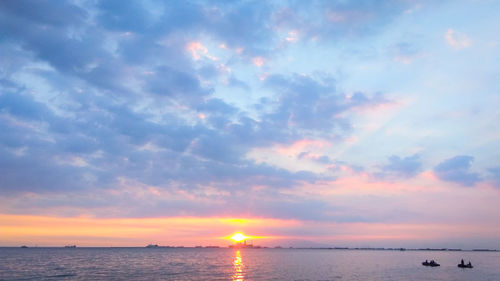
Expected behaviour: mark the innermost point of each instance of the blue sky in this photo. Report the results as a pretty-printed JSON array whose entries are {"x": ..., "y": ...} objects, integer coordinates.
[{"x": 356, "y": 113}]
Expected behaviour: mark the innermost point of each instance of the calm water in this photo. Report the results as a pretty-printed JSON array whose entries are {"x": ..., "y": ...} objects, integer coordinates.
[{"x": 244, "y": 264}]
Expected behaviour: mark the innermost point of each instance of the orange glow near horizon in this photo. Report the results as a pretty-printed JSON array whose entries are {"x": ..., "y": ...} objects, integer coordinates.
[
  {"x": 88, "y": 231},
  {"x": 16, "y": 230}
]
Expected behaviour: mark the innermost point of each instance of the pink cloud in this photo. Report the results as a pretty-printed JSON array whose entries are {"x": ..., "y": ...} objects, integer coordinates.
[
  {"x": 198, "y": 51},
  {"x": 456, "y": 39},
  {"x": 300, "y": 145},
  {"x": 196, "y": 48},
  {"x": 293, "y": 36},
  {"x": 258, "y": 61}
]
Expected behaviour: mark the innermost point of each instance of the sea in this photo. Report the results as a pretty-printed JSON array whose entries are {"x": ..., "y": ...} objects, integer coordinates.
[{"x": 241, "y": 264}]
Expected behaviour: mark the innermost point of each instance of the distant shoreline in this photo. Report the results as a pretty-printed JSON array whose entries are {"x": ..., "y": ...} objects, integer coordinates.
[{"x": 258, "y": 248}]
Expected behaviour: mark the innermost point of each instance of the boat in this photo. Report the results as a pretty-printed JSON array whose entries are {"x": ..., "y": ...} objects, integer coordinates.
[
  {"x": 24, "y": 246},
  {"x": 432, "y": 263},
  {"x": 70, "y": 246},
  {"x": 152, "y": 246},
  {"x": 463, "y": 265}
]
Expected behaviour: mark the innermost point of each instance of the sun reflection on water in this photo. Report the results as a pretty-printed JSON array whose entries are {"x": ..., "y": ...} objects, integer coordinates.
[{"x": 238, "y": 267}]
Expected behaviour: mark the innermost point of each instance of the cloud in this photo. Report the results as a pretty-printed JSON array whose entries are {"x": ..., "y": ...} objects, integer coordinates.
[
  {"x": 323, "y": 159},
  {"x": 309, "y": 103},
  {"x": 401, "y": 167},
  {"x": 130, "y": 16},
  {"x": 235, "y": 82},
  {"x": 405, "y": 52},
  {"x": 23, "y": 106},
  {"x": 258, "y": 61},
  {"x": 197, "y": 50},
  {"x": 237, "y": 31},
  {"x": 102, "y": 102},
  {"x": 180, "y": 85},
  {"x": 495, "y": 176},
  {"x": 118, "y": 141},
  {"x": 46, "y": 12},
  {"x": 337, "y": 20},
  {"x": 96, "y": 139},
  {"x": 456, "y": 39},
  {"x": 456, "y": 169}
]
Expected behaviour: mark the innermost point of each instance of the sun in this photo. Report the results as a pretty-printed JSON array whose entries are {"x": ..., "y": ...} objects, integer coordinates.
[{"x": 238, "y": 237}]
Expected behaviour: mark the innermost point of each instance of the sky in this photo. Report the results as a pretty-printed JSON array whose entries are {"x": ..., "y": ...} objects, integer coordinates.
[{"x": 298, "y": 123}]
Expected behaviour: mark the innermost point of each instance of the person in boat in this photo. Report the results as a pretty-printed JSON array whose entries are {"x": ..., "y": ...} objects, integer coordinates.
[
  {"x": 462, "y": 262},
  {"x": 469, "y": 264},
  {"x": 432, "y": 262}
]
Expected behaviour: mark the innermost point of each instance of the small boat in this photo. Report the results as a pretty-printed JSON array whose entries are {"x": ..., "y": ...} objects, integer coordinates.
[
  {"x": 70, "y": 246},
  {"x": 24, "y": 246},
  {"x": 463, "y": 265},
  {"x": 432, "y": 263},
  {"x": 152, "y": 246}
]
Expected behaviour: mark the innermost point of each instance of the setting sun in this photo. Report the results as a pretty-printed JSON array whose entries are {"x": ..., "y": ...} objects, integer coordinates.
[{"x": 238, "y": 237}]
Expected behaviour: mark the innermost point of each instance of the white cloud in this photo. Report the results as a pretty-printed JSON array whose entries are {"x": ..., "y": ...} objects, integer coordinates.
[{"x": 456, "y": 39}]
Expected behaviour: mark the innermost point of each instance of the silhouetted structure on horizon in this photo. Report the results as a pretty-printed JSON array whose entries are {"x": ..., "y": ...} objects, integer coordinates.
[{"x": 243, "y": 244}]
